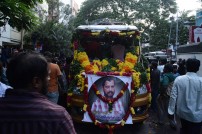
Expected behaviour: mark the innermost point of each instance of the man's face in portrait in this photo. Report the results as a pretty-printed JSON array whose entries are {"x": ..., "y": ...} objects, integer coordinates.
[{"x": 109, "y": 89}]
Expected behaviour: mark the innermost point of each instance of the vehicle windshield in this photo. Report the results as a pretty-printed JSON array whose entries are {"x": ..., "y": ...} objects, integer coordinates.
[{"x": 151, "y": 54}]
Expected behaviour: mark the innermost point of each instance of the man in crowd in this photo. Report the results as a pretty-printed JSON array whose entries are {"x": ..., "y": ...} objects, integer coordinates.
[
  {"x": 164, "y": 95},
  {"x": 155, "y": 84},
  {"x": 25, "y": 109},
  {"x": 55, "y": 79},
  {"x": 102, "y": 110},
  {"x": 3, "y": 87},
  {"x": 186, "y": 99}
]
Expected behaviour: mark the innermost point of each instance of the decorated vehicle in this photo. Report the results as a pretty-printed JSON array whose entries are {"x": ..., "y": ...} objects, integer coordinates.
[{"x": 109, "y": 77}]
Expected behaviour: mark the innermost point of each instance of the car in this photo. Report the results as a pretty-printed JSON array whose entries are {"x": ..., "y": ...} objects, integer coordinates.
[{"x": 156, "y": 55}]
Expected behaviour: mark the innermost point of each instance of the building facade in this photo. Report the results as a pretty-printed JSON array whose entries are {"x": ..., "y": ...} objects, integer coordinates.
[{"x": 73, "y": 5}]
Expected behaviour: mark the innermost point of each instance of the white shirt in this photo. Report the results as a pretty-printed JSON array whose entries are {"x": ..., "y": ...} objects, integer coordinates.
[
  {"x": 160, "y": 68},
  {"x": 186, "y": 95},
  {"x": 3, "y": 88}
]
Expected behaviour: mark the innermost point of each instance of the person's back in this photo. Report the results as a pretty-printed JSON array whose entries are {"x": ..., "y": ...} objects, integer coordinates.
[
  {"x": 25, "y": 109},
  {"x": 155, "y": 84},
  {"x": 164, "y": 95},
  {"x": 54, "y": 73},
  {"x": 186, "y": 99},
  {"x": 32, "y": 113},
  {"x": 190, "y": 86},
  {"x": 55, "y": 77}
]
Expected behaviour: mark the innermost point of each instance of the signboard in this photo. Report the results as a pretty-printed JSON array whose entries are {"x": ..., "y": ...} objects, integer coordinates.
[
  {"x": 195, "y": 34},
  {"x": 108, "y": 87}
]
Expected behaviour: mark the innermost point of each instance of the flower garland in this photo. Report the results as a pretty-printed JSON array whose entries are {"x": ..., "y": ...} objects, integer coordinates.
[
  {"x": 107, "y": 100},
  {"x": 112, "y": 33},
  {"x": 110, "y": 127}
]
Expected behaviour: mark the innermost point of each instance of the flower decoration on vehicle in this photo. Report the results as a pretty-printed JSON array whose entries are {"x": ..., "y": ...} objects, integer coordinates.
[
  {"x": 110, "y": 67},
  {"x": 110, "y": 102},
  {"x": 107, "y": 32}
]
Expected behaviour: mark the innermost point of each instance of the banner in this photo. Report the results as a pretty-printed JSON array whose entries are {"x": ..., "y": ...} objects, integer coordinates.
[{"x": 108, "y": 87}]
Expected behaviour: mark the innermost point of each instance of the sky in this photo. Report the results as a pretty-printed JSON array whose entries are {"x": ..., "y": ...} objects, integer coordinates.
[
  {"x": 188, "y": 5},
  {"x": 182, "y": 4}
]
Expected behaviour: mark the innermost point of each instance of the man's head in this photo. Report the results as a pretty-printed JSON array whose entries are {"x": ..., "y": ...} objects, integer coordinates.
[
  {"x": 192, "y": 65},
  {"x": 154, "y": 65},
  {"x": 108, "y": 87},
  {"x": 168, "y": 68},
  {"x": 28, "y": 71}
]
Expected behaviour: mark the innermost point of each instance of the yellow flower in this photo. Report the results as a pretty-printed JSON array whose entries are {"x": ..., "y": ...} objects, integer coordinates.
[
  {"x": 82, "y": 57},
  {"x": 97, "y": 92},
  {"x": 148, "y": 74},
  {"x": 120, "y": 65},
  {"x": 122, "y": 34},
  {"x": 130, "y": 33},
  {"x": 84, "y": 107},
  {"x": 136, "y": 79},
  {"x": 95, "y": 33},
  {"x": 131, "y": 58},
  {"x": 137, "y": 50},
  {"x": 127, "y": 67},
  {"x": 122, "y": 122},
  {"x": 95, "y": 68},
  {"x": 132, "y": 110},
  {"x": 113, "y": 69},
  {"x": 75, "y": 54},
  {"x": 98, "y": 62},
  {"x": 85, "y": 63},
  {"x": 104, "y": 62}
]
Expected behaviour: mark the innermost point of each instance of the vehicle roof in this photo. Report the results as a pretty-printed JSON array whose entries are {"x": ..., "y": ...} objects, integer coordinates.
[
  {"x": 107, "y": 27},
  {"x": 157, "y": 52}
]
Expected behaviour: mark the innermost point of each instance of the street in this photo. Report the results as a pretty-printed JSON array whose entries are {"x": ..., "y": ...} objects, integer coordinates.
[{"x": 147, "y": 127}]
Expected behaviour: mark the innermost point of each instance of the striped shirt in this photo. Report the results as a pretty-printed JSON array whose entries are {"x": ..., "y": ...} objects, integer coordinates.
[
  {"x": 23, "y": 112},
  {"x": 101, "y": 111}
]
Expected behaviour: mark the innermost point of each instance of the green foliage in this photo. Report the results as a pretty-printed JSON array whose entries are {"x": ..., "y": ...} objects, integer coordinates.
[
  {"x": 138, "y": 67},
  {"x": 106, "y": 68},
  {"x": 75, "y": 68},
  {"x": 159, "y": 34},
  {"x": 112, "y": 63},
  {"x": 18, "y": 13},
  {"x": 143, "y": 78},
  {"x": 53, "y": 35}
]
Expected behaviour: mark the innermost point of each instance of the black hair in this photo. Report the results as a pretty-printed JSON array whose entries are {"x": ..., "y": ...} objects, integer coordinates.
[
  {"x": 23, "y": 67},
  {"x": 107, "y": 79},
  {"x": 168, "y": 68},
  {"x": 175, "y": 67},
  {"x": 49, "y": 56},
  {"x": 154, "y": 64},
  {"x": 192, "y": 65}
]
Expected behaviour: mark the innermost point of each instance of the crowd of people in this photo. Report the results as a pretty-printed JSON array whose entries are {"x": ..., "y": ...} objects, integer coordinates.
[
  {"x": 177, "y": 91},
  {"x": 29, "y": 100},
  {"x": 33, "y": 84}
]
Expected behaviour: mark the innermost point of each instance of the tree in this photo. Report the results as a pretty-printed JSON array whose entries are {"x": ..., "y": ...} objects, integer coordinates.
[
  {"x": 18, "y": 13},
  {"x": 53, "y": 35},
  {"x": 159, "y": 34}
]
